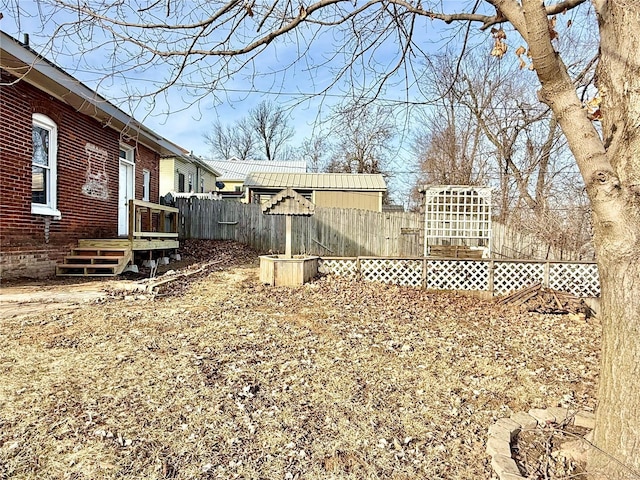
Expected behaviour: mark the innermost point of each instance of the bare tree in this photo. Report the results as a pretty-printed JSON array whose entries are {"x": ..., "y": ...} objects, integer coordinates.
[
  {"x": 271, "y": 125},
  {"x": 225, "y": 38},
  {"x": 244, "y": 140},
  {"x": 228, "y": 141},
  {"x": 363, "y": 136},
  {"x": 264, "y": 132},
  {"x": 485, "y": 128},
  {"x": 315, "y": 151},
  {"x": 447, "y": 141}
]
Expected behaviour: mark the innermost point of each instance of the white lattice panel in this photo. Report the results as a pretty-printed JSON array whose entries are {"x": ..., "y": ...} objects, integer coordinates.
[
  {"x": 407, "y": 273},
  {"x": 579, "y": 279},
  {"x": 457, "y": 275},
  {"x": 343, "y": 267},
  {"x": 457, "y": 212},
  {"x": 510, "y": 276}
]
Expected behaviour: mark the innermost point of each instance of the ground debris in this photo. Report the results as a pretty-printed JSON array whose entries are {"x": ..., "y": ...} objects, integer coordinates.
[
  {"x": 536, "y": 298},
  {"x": 228, "y": 253},
  {"x": 227, "y": 378}
]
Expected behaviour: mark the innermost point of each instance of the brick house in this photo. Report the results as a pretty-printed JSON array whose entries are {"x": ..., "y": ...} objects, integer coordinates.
[{"x": 69, "y": 163}]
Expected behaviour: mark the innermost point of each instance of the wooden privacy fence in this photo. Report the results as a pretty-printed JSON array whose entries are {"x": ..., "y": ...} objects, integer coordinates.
[
  {"x": 495, "y": 276},
  {"x": 331, "y": 231},
  {"x": 339, "y": 232}
]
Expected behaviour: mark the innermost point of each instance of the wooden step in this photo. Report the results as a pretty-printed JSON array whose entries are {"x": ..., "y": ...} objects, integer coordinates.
[
  {"x": 89, "y": 265},
  {"x": 93, "y": 258},
  {"x": 86, "y": 269},
  {"x": 99, "y": 251},
  {"x": 104, "y": 243},
  {"x": 95, "y": 262}
]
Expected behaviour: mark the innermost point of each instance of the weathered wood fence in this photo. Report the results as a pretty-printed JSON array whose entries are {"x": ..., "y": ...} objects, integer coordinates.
[
  {"x": 330, "y": 231},
  {"x": 385, "y": 247},
  {"x": 339, "y": 232}
]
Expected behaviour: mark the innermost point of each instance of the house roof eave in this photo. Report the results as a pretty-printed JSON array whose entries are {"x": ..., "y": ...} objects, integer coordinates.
[{"x": 27, "y": 65}]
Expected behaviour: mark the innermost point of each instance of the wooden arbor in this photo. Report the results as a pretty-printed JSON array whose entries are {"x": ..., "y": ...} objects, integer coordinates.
[
  {"x": 288, "y": 202},
  {"x": 285, "y": 269}
]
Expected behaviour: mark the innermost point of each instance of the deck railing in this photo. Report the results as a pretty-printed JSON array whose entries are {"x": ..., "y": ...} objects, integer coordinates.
[{"x": 152, "y": 221}]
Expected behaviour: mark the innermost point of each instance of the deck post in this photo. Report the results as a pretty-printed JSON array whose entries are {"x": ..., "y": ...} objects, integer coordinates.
[{"x": 132, "y": 219}]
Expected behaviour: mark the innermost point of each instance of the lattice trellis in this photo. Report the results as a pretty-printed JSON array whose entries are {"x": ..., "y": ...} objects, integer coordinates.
[
  {"x": 457, "y": 212},
  {"x": 343, "y": 267},
  {"x": 579, "y": 279},
  {"x": 407, "y": 273},
  {"x": 457, "y": 275},
  {"x": 509, "y": 276}
]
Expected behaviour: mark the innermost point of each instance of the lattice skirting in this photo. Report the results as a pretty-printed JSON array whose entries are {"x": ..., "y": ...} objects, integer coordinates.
[
  {"x": 498, "y": 277},
  {"x": 407, "y": 273},
  {"x": 343, "y": 267},
  {"x": 580, "y": 279},
  {"x": 457, "y": 275},
  {"x": 509, "y": 276}
]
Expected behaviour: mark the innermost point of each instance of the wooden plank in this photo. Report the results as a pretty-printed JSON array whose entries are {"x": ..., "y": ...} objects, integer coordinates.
[
  {"x": 155, "y": 206},
  {"x": 154, "y": 235},
  {"x": 104, "y": 243},
  {"x": 140, "y": 244}
]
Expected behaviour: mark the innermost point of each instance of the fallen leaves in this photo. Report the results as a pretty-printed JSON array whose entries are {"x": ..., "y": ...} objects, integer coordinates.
[{"x": 229, "y": 378}]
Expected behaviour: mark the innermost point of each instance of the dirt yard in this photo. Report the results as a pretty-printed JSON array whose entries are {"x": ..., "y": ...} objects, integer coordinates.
[{"x": 220, "y": 377}]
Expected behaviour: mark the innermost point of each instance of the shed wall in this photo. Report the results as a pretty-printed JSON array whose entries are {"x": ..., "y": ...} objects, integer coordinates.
[{"x": 359, "y": 200}]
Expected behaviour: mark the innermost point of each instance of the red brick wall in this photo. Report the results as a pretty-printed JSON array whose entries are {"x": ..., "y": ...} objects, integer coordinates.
[{"x": 85, "y": 214}]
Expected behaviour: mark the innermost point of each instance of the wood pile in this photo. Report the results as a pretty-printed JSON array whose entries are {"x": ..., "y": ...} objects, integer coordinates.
[{"x": 536, "y": 298}]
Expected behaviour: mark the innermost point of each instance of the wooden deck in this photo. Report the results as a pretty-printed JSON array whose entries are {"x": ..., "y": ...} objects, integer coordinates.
[
  {"x": 152, "y": 227},
  {"x": 136, "y": 244}
]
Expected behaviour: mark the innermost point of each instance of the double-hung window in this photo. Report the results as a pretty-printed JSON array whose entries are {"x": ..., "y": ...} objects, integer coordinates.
[{"x": 44, "y": 135}]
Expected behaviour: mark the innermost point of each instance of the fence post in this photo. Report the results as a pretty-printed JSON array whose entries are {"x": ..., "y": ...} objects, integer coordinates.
[
  {"x": 545, "y": 275},
  {"x": 490, "y": 280},
  {"x": 358, "y": 268},
  {"x": 424, "y": 272}
]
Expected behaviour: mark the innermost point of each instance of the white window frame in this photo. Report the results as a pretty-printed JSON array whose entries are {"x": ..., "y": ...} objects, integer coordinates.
[
  {"x": 129, "y": 153},
  {"x": 146, "y": 185},
  {"x": 51, "y": 207}
]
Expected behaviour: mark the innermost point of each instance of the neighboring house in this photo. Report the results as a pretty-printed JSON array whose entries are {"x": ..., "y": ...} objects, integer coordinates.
[
  {"x": 186, "y": 173},
  {"x": 70, "y": 163},
  {"x": 233, "y": 172},
  {"x": 339, "y": 190}
]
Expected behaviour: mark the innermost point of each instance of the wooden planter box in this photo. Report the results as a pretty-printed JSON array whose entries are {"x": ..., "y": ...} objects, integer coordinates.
[{"x": 279, "y": 271}]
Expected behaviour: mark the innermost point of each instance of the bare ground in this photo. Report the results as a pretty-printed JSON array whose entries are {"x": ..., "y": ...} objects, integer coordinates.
[{"x": 221, "y": 377}]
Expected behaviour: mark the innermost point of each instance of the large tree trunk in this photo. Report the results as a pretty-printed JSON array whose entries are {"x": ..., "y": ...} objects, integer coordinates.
[
  {"x": 617, "y": 430},
  {"x": 610, "y": 167}
]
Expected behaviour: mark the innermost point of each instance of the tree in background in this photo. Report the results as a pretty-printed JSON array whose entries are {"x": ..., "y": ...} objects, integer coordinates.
[
  {"x": 487, "y": 128},
  {"x": 447, "y": 141},
  {"x": 236, "y": 140},
  {"x": 376, "y": 43},
  {"x": 315, "y": 151},
  {"x": 271, "y": 124},
  {"x": 362, "y": 137},
  {"x": 261, "y": 135}
]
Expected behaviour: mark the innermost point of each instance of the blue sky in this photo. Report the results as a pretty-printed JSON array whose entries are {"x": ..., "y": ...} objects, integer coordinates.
[
  {"x": 176, "y": 116},
  {"x": 173, "y": 114}
]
